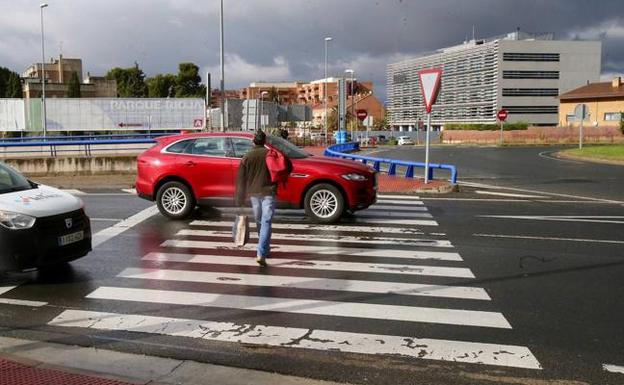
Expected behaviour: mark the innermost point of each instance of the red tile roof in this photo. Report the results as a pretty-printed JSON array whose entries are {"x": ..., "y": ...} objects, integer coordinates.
[{"x": 594, "y": 91}]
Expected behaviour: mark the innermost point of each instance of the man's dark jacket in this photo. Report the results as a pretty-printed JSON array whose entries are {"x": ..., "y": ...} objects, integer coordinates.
[{"x": 253, "y": 176}]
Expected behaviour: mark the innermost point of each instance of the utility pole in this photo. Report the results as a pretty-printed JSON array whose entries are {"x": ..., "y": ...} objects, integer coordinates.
[{"x": 222, "y": 73}]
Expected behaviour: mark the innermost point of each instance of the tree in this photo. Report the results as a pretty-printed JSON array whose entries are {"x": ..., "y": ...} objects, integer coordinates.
[
  {"x": 14, "y": 87},
  {"x": 130, "y": 81},
  {"x": 188, "y": 82},
  {"x": 73, "y": 87},
  {"x": 273, "y": 95},
  {"x": 10, "y": 86},
  {"x": 161, "y": 86}
]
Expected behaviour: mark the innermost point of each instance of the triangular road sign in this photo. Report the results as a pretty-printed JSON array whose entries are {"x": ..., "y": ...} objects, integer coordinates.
[{"x": 430, "y": 85}]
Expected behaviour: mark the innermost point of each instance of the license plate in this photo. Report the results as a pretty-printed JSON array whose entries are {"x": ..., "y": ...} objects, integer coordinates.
[{"x": 71, "y": 238}]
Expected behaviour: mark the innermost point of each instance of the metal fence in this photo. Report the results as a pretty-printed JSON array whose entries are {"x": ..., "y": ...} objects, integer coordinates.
[{"x": 391, "y": 165}]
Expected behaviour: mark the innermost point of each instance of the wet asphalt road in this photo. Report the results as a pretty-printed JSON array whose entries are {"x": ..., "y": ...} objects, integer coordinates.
[{"x": 552, "y": 265}]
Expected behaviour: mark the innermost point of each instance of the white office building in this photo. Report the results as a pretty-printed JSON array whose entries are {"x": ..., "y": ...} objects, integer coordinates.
[{"x": 520, "y": 72}]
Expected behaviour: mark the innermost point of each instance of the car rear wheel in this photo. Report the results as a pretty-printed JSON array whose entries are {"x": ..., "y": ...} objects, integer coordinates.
[
  {"x": 324, "y": 203},
  {"x": 175, "y": 200}
]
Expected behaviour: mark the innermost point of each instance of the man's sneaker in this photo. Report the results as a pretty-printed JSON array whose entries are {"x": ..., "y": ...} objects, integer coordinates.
[{"x": 261, "y": 261}]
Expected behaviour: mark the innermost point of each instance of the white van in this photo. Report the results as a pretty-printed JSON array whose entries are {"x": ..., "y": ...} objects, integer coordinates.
[{"x": 39, "y": 225}]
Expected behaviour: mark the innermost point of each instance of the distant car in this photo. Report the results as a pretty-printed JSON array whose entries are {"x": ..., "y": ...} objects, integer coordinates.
[
  {"x": 381, "y": 139},
  {"x": 39, "y": 225},
  {"x": 183, "y": 171},
  {"x": 404, "y": 140}
]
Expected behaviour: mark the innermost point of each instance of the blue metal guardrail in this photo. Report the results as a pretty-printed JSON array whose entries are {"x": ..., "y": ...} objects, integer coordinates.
[
  {"x": 84, "y": 142},
  {"x": 339, "y": 151}
]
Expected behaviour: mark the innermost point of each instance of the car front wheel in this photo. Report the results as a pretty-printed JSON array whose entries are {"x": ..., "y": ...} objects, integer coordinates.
[
  {"x": 175, "y": 200},
  {"x": 324, "y": 203}
]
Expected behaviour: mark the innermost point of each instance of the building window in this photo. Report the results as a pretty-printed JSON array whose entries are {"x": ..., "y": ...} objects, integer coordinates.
[
  {"x": 612, "y": 116},
  {"x": 530, "y": 91},
  {"x": 399, "y": 78},
  {"x": 516, "y": 56},
  {"x": 530, "y": 74},
  {"x": 512, "y": 110}
]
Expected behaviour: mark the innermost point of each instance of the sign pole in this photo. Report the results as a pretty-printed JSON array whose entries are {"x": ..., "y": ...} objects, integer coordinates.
[
  {"x": 501, "y": 138},
  {"x": 427, "y": 148},
  {"x": 581, "y": 130}
]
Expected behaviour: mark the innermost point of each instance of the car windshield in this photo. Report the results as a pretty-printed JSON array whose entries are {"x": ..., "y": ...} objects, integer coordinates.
[
  {"x": 11, "y": 181},
  {"x": 287, "y": 148}
]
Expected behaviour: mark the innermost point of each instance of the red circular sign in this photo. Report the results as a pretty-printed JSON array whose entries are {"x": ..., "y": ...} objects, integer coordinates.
[
  {"x": 361, "y": 114},
  {"x": 502, "y": 115}
]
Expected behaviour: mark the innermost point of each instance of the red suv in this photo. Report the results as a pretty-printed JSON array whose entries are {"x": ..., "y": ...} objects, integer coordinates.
[{"x": 183, "y": 171}]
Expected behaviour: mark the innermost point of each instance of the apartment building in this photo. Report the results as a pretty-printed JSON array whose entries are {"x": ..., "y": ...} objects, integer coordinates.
[
  {"x": 521, "y": 72},
  {"x": 604, "y": 101},
  {"x": 57, "y": 74}
]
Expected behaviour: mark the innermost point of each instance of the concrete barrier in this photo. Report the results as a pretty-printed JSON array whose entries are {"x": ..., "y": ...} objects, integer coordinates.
[{"x": 80, "y": 165}]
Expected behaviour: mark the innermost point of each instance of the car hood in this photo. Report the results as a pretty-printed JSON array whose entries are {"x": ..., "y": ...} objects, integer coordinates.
[
  {"x": 39, "y": 202},
  {"x": 349, "y": 165}
]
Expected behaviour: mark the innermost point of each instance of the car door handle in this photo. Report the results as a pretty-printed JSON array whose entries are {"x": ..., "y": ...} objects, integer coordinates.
[{"x": 190, "y": 163}]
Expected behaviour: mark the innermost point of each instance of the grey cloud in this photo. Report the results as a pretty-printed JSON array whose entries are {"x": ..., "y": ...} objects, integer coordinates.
[{"x": 285, "y": 37}]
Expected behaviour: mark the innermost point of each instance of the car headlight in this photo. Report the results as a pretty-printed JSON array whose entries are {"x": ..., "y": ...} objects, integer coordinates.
[
  {"x": 15, "y": 221},
  {"x": 353, "y": 176}
]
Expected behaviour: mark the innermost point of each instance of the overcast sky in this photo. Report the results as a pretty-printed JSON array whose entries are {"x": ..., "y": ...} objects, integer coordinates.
[{"x": 276, "y": 40}]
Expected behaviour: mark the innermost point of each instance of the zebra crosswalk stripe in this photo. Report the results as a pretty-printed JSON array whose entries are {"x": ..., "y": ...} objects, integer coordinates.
[
  {"x": 327, "y": 238},
  {"x": 325, "y": 250},
  {"x": 305, "y": 306},
  {"x": 383, "y": 280},
  {"x": 314, "y": 283},
  {"x": 316, "y": 227},
  {"x": 290, "y": 337},
  {"x": 221, "y": 259}
]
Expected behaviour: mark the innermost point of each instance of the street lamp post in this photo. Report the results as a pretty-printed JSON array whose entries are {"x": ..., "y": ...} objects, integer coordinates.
[
  {"x": 353, "y": 117},
  {"x": 222, "y": 71},
  {"x": 43, "y": 104},
  {"x": 262, "y": 94},
  {"x": 327, "y": 40}
]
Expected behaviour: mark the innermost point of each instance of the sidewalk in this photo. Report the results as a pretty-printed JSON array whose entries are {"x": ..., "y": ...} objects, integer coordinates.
[{"x": 24, "y": 362}]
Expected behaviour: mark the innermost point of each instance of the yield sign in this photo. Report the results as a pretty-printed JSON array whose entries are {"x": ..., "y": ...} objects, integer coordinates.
[{"x": 430, "y": 85}]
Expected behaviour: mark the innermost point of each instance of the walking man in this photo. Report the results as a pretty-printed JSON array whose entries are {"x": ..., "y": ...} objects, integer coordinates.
[{"x": 254, "y": 180}]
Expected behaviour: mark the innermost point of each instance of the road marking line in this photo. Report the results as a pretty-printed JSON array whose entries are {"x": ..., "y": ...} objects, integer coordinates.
[
  {"x": 129, "y": 191},
  {"x": 399, "y": 202},
  {"x": 312, "y": 264},
  {"x": 401, "y": 197},
  {"x": 118, "y": 228},
  {"x": 324, "y": 340},
  {"x": 5, "y": 289},
  {"x": 508, "y": 194},
  {"x": 613, "y": 368},
  {"x": 395, "y": 208},
  {"x": 481, "y": 185},
  {"x": 548, "y": 238},
  {"x": 21, "y": 302},
  {"x": 305, "y": 306},
  {"x": 314, "y": 283},
  {"x": 105, "y": 220},
  {"x": 74, "y": 192},
  {"x": 307, "y": 249},
  {"x": 561, "y": 218},
  {"x": 327, "y": 238},
  {"x": 314, "y": 227}
]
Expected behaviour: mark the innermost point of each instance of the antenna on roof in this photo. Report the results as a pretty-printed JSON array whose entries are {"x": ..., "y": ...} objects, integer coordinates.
[{"x": 473, "y": 32}]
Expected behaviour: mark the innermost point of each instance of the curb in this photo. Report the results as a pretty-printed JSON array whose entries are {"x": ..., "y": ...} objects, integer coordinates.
[{"x": 102, "y": 366}]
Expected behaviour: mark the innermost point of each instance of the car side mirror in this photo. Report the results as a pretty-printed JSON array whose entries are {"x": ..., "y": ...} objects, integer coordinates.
[{"x": 33, "y": 184}]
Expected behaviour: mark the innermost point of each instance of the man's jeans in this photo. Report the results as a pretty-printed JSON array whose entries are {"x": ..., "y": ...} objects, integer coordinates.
[{"x": 263, "y": 208}]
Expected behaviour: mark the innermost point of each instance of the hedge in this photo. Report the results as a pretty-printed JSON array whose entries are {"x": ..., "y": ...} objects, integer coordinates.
[{"x": 486, "y": 127}]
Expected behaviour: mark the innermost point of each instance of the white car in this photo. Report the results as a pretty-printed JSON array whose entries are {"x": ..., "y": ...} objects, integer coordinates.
[
  {"x": 39, "y": 225},
  {"x": 403, "y": 140}
]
